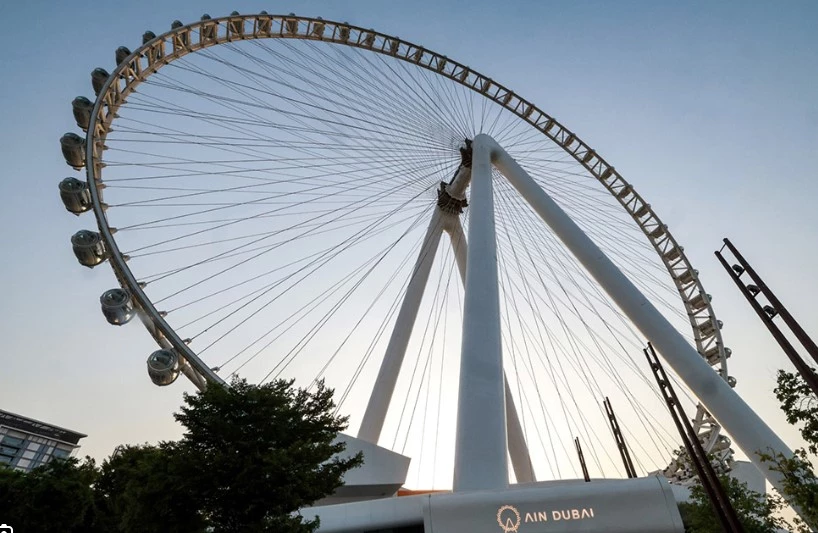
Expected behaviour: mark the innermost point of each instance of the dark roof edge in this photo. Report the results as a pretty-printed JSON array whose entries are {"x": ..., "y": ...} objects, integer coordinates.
[{"x": 74, "y": 435}]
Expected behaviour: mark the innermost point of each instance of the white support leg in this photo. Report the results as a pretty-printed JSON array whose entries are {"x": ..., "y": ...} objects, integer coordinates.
[
  {"x": 480, "y": 460},
  {"x": 517, "y": 447},
  {"x": 743, "y": 424},
  {"x": 454, "y": 228},
  {"x": 378, "y": 405}
]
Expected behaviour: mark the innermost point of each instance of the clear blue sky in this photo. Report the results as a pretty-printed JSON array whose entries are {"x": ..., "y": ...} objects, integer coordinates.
[{"x": 711, "y": 111}]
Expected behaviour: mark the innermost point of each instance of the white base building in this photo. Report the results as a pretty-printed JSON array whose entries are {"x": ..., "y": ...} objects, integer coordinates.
[{"x": 371, "y": 501}]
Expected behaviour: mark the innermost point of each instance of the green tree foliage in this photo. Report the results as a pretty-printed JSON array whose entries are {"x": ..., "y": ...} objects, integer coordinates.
[
  {"x": 250, "y": 458},
  {"x": 800, "y": 405},
  {"x": 142, "y": 488},
  {"x": 758, "y": 513},
  {"x": 254, "y": 455},
  {"x": 55, "y": 497},
  {"x": 800, "y": 485}
]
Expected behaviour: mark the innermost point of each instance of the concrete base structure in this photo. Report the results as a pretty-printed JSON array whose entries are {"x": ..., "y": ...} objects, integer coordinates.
[
  {"x": 628, "y": 505},
  {"x": 369, "y": 501},
  {"x": 381, "y": 475}
]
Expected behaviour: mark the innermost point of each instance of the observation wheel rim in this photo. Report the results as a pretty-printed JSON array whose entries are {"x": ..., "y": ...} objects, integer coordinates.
[{"x": 178, "y": 42}]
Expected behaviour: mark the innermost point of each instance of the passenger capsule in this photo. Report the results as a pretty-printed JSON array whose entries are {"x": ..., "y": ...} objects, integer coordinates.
[
  {"x": 98, "y": 78},
  {"x": 75, "y": 195},
  {"x": 292, "y": 24},
  {"x": 708, "y": 328},
  {"x": 674, "y": 253},
  {"x": 117, "y": 306},
  {"x": 236, "y": 26},
  {"x": 658, "y": 231},
  {"x": 318, "y": 28},
  {"x": 121, "y": 54},
  {"x": 182, "y": 38},
  {"x": 73, "y": 150},
  {"x": 208, "y": 28},
  {"x": 624, "y": 191},
  {"x": 163, "y": 367},
  {"x": 148, "y": 36},
  {"x": 688, "y": 276},
  {"x": 700, "y": 301},
  {"x": 643, "y": 210},
  {"x": 82, "y": 107},
  {"x": 89, "y": 248},
  {"x": 264, "y": 24},
  {"x": 713, "y": 355},
  {"x": 343, "y": 33}
]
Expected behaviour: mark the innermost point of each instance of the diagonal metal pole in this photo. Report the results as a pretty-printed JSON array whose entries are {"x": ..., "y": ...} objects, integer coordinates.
[
  {"x": 806, "y": 372},
  {"x": 620, "y": 440},
  {"x": 793, "y": 324},
  {"x": 721, "y": 504},
  {"x": 582, "y": 460}
]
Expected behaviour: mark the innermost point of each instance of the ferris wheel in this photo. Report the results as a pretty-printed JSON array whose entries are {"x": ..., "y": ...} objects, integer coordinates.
[{"x": 291, "y": 196}]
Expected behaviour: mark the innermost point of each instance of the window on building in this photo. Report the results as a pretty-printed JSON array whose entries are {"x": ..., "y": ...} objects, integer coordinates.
[
  {"x": 10, "y": 448},
  {"x": 8, "y": 440},
  {"x": 11, "y": 451},
  {"x": 60, "y": 453}
]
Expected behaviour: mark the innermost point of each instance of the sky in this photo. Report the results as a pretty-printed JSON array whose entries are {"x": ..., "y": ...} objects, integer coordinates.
[{"x": 709, "y": 110}]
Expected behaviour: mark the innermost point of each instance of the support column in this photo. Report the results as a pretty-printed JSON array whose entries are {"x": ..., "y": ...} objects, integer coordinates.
[
  {"x": 517, "y": 447},
  {"x": 378, "y": 405},
  {"x": 480, "y": 460},
  {"x": 457, "y": 238},
  {"x": 743, "y": 424}
]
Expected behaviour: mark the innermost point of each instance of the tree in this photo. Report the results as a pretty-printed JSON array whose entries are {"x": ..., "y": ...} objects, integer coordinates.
[
  {"x": 252, "y": 456},
  {"x": 800, "y": 405},
  {"x": 758, "y": 513},
  {"x": 57, "y": 496},
  {"x": 799, "y": 484},
  {"x": 143, "y": 488}
]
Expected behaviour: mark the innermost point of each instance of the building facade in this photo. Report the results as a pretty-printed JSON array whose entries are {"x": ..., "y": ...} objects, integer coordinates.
[{"x": 26, "y": 443}]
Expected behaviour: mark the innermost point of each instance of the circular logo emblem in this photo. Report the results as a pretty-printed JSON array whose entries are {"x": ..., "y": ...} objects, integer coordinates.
[{"x": 508, "y": 518}]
